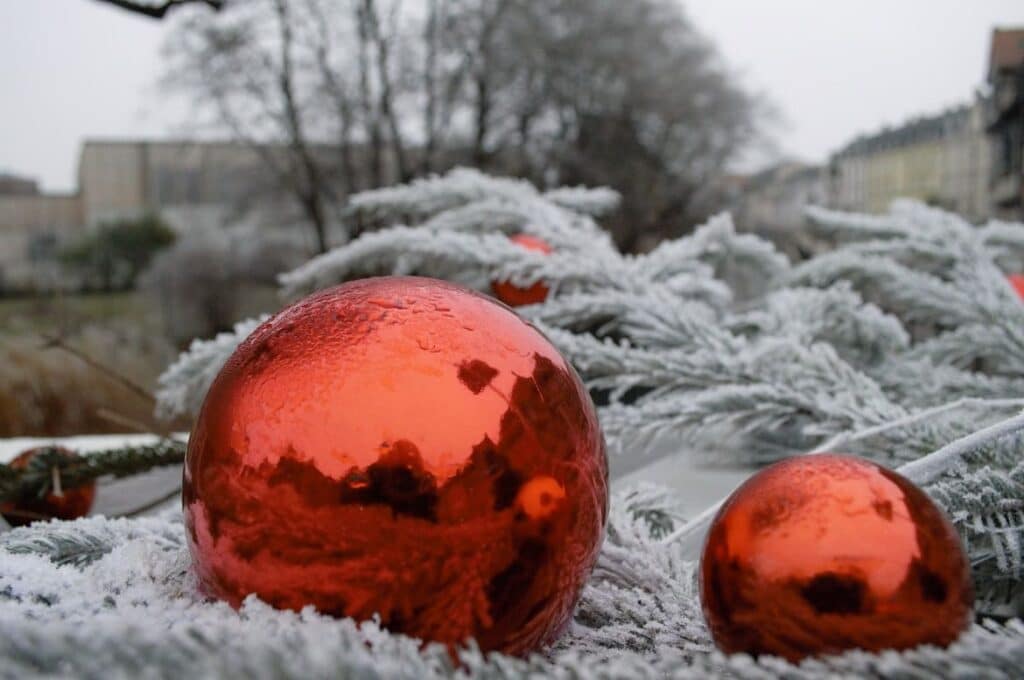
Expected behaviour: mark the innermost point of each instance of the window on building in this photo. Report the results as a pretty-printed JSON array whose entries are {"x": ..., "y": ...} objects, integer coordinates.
[
  {"x": 178, "y": 186},
  {"x": 42, "y": 247}
]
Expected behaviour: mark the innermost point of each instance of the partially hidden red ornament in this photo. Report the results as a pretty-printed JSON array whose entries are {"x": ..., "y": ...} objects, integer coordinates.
[
  {"x": 824, "y": 553},
  {"x": 69, "y": 503},
  {"x": 513, "y": 295},
  {"x": 402, "y": 447},
  {"x": 1017, "y": 281}
]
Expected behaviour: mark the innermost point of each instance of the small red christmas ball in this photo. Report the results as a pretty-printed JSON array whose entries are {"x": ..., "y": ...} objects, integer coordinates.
[
  {"x": 513, "y": 295},
  {"x": 824, "y": 553},
  {"x": 70, "y": 503},
  {"x": 1017, "y": 281},
  {"x": 402, "y": 447}
]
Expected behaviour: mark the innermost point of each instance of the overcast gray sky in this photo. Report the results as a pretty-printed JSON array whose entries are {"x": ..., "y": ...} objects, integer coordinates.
[{"x": 71, "y": 69}]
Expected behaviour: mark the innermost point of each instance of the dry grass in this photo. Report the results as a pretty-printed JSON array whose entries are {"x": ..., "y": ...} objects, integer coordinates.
[
  {"x": 46, "y": 392},
  {"x": 49, "y": 392}
]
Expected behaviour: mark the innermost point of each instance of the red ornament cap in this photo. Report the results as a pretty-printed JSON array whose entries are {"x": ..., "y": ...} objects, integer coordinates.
[
  {"x": 402, "y": 447},
  {"x": 824, "y": 553},
  {"x": 513, "y": 295},
  {"x": 71, "y": 503}
]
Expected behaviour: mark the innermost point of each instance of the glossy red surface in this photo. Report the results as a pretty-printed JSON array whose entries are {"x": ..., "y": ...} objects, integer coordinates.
[
  {"x": 1017, "y": 281},
  {"x": 71, "y": 504},
  {"x": 824, "y": 553},
  {"x": 405, "y": 447},
  {"x": 513, "y": 295}
]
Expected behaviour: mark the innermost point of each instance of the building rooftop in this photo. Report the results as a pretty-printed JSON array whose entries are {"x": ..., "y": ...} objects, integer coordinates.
[
  {"x": 1007, "y": 51},
  {"x": 914, "y": 131},
  {"x": 16, "y": 185}
]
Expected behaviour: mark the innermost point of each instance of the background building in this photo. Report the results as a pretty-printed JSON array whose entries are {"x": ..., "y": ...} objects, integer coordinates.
[
  {"x": 943, "y": 160},
  {"x": 193, "y": 186},
  {"x": 1006, "y": 121},
  {"x": 14, "y": 185},
  {"x": 775, "y": 199},
  {"x": 32, "y": 226}
]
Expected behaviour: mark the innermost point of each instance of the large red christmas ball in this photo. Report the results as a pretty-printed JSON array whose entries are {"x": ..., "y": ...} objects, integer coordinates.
[
  {"x": 1017, "y": 281},
  {"x": 515, "y": 296},
  {"x": 69, "y": 503},
  {"x": 402, "y": 447},
  {"x": 824, "y": 553}
]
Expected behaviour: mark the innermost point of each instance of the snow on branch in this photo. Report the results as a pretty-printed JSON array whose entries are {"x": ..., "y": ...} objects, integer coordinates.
[
  {"x": 182, "y": 388},
  {"x": 132, "y": 610},
  {"x": 904, "y": 344},
  {"x": 594, "y": 202}
]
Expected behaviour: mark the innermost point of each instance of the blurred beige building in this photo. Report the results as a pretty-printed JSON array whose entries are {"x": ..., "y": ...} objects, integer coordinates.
[
  {"x": 774, "y": 200},
  {"x": 1006, "y": 121},
  {"x": 944, "y": 160},
  {"x": 189, "y": 183},
  {"x": 772, "y": 203},
  {"x": 192, "y": 185},
  {"x": 32, "y": 226}
]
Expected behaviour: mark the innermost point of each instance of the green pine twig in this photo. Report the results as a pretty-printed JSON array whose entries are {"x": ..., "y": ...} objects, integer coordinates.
[{"x": 38, "y": 478}]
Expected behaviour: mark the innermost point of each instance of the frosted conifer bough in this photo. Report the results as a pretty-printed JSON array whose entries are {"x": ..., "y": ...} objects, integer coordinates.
[
  {"x": 903, "y": 343},
  {"x": 889, "y": 333},
  {"x": 100, "y": 598}
]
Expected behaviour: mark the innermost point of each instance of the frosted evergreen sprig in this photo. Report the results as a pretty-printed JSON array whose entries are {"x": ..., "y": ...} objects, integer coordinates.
[
  {"x": 429, "y": 196},
  {"x": 861, "y": 332},
  {"x": 472, "y": 259},
  {"x": 654, "y": 318},
  {"x": 964, "y": 478},
  {"x": 717, "y": 243},
  {"x": 130, "y": 607},
  {"x": 49, "y": 466},
  {"x": 182, "y": 388},
  {"x": 596, "y": 202}
]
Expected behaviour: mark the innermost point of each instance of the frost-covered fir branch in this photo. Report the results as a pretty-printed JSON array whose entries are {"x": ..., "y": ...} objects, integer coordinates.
[
  {"x": 977, "y": 480},
  {"x": 471, "y": 259},
  {"x": 937, "y": 272},
  {"x": 682, "y": 344},
  {"x": 49, "y": 467},
  {"x": 860, "y": 332},
  {"x": 909, "y": 321},
  {"x": 596, "y": 202},
  {"x": 904, "y": 344},
  {"x": 654, "y": 318},
  {"x": 429, "y": 196},
  {"x": 182, "y": 388},
  {"x": 130, "y": 608}
]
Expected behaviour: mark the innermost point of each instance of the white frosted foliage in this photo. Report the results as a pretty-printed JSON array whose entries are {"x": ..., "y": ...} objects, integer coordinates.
[{"x": 902, "y": 342}]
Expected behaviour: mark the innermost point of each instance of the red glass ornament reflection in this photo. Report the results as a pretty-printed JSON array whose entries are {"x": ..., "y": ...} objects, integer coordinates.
[
  {"x": 71, "y": 503},
  {"x": 404, "y": 447},
  {"x": 824, "y": 553},
  {"x": 1017, "y": 281},
  {"x": 513, "y": 295}
]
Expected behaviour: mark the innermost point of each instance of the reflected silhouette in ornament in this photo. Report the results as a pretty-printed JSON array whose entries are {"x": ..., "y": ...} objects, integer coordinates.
[
  {"x": 820, "y": 554},
  {"x": 401, "y": 447}
]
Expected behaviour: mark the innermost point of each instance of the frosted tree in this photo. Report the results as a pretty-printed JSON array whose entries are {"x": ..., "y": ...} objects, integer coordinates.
[{"x": 904, "y": 343}]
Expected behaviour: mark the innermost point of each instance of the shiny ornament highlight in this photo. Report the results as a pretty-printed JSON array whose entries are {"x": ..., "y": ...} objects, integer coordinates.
[
  {"x": 824, "y": 553},
  {"x": 513, "y": 295},
  {"x": 70, "y": 503},
  {"x": 402, "y": 447}
]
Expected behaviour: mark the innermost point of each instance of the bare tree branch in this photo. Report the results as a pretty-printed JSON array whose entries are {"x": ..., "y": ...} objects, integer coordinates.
[
  {"x": 159, "y": 11},
  {"x": 387, "y": 109}
]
